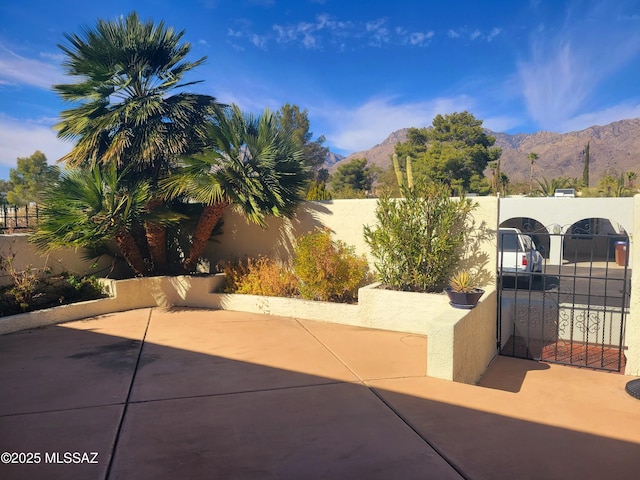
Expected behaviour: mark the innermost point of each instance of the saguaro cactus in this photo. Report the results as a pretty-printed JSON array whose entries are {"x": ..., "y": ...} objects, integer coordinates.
[
  {"x": 409, "y": 172},
  {"x": 399, "y": 173},
  {"x": 396, "y": 168}
]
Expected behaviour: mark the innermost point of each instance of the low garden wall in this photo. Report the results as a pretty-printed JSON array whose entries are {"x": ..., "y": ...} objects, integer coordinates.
[{"x": 460, "y": 343}]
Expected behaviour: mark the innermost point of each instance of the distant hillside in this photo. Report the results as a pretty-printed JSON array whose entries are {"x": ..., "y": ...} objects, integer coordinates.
[
  {"x": 379, "y": 155},
  {"x": 332, "y": 159},
  {"x": 612, "y": 147}
]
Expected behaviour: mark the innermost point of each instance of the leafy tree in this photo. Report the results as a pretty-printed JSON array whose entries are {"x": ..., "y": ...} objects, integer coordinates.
[
  {"x": 480, "y": 184},
  {"x": 453, "y": 151},
  {"x": 354, "y": 178},
  {"x": 291, "y": 118},
  {"x": 30, "y": 178},
  {"x": 5, "y": 187},
  {"x": 322, "y": 175},
  {"x": 250, "y": 163},
  {"x": 318, "y": 191},
  {"x": 129, "y": 107}
]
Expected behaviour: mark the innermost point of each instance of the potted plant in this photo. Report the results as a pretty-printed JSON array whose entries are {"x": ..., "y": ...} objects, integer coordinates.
[{"x": 462, "y": 291}]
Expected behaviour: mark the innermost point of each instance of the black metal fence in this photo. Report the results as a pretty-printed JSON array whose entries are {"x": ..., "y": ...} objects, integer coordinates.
[
  {"x": 573, "y": 312},
  {"x": 22, "y": 218}
]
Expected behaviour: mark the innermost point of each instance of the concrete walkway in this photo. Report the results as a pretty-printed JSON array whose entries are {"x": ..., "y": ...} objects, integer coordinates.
[{"x": 201, "y": 394}]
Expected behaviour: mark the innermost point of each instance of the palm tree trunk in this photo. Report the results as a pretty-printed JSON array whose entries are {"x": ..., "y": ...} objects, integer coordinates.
[
  {"x": 206, "y": 223},
  {"x": 157, "y": 240},
  {"x": 130, "y": 252},
  {"x": 531, "y": 178}
]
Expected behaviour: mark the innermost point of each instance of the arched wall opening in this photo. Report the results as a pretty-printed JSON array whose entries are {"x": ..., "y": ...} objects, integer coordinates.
[
  {"x": 592, "y": 239},
  {"x": 532, "y": 227}
]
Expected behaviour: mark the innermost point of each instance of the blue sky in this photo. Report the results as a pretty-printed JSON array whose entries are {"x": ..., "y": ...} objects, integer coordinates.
[{"x": 362, "y": 69}]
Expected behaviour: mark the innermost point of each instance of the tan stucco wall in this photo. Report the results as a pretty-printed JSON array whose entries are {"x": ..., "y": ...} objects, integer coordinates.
[
  {"x": 632, "y": 331},
  {"x": 565, "y": 211},
  {"x": 76, "y": 262},
  {"x": 345, "y": 218}
]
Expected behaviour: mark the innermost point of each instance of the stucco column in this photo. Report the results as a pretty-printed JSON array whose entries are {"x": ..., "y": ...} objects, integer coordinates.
[
  {"x": 555, "y": 249},
  {"x": 632, "y": 331}
]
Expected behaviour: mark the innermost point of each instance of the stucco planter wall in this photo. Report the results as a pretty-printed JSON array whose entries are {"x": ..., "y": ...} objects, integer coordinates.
[{"x": 460, "y": 343}]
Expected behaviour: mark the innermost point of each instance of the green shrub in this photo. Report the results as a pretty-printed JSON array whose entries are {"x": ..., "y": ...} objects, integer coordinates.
[
  {"x": 419, "y": 239},
  {"x": 36, "y": 288},
  {"x": 328, "y": 270},
  {"x": 260, "y": 277}
]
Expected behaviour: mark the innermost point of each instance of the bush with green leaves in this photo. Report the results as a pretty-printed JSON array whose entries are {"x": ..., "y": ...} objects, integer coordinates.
[
  {"x": 262, "y": 276},
  {"x": 37, "y": 288},
  {"x": 327, "y": 269},
  {"x": 420, "y": 239}
]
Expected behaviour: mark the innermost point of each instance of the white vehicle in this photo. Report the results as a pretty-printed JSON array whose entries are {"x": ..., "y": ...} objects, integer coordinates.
[{"x": 517, "y": 253}]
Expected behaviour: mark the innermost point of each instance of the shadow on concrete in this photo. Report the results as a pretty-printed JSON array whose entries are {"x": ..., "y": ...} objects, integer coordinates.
[
  {"x": 154, "y": 411},
  {"x": 509, "y": 377}
]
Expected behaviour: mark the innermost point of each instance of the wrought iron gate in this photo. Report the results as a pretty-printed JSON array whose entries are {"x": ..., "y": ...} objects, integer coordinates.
[{"x": 572, "y": 312}]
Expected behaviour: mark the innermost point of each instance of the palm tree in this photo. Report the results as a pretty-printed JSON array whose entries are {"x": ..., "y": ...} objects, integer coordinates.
[
  {"x": 613, "y": 185},
  {"x": 248, "y": 162},
  {"x": 532, "y": 158},
  {"x": 123, "y": 111},
  {"x": 547, "y": 188},
  {"x": 92, "y": 205},
  {"x": 631, "y": 178}
]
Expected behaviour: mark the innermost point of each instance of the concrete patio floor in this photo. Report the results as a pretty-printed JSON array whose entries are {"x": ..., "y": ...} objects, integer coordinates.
[{"x": 201, "y": 394}]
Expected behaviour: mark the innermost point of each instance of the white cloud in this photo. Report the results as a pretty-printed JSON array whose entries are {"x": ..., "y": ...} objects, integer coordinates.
[
  {"x": 420, "y": 38},
  {"x": 326, "y": 31},
  {"x": 561, "y": 77},
  {"x": 493, "y": 34},
  {"x": 501, "y": 123},
  {"x": 260, "y": 42},
  {"x": 17, "y": 70},
  {"x": 555, "y": 85},
  {"x": 602, "y": 117},
  {"x": 20, "y": 138},
  {"x": 361, "y": 128}
]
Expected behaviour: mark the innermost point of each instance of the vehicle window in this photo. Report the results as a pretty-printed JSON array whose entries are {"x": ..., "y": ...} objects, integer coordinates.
[{"x": 508, "y": 242}]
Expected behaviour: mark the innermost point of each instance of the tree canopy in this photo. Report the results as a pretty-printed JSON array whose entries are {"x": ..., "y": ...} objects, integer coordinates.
[
  {"x": 291, "y": 118},
  {"x": 353, "y": 179},
  {"x": 31, "y": 176},
  {"x": 455, "y": 150}
]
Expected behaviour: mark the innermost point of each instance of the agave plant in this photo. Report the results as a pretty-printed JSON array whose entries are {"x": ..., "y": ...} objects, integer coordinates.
[{"x": 462, "y": 282}]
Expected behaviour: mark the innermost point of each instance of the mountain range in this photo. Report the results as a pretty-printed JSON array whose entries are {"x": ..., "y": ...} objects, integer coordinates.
[{"x": 612, "y": 148}]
